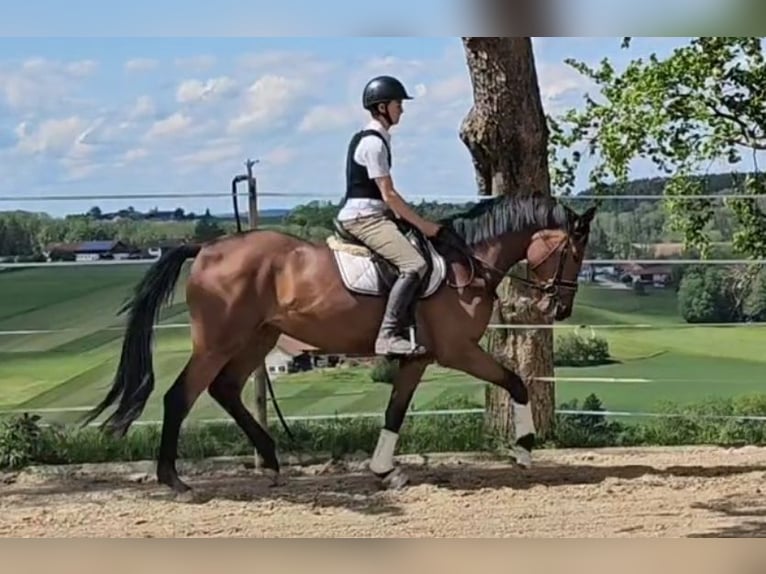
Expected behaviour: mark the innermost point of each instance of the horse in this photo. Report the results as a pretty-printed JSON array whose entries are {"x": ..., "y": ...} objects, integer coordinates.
[{"x": 246, "y": 289}]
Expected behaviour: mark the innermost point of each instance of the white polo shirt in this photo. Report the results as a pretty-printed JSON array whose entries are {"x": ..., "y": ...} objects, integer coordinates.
[{"x": 371, "y": 153}]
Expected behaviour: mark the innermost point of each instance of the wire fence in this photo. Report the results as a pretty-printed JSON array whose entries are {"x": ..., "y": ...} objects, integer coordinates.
[
  {"x": 594, "y": 262},
  {"x": 446, "y": 412},
  {"x": 454, "y": 198},
  {"x": 337, "y": 196},
  {"x": 504, "y": 326}
]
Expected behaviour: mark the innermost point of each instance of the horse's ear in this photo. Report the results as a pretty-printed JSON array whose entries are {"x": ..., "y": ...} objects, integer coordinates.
[
  {"x": 587, "y": 217},
  {"x": 582, "y": 225},
  {"x": 571, "y": 214}
]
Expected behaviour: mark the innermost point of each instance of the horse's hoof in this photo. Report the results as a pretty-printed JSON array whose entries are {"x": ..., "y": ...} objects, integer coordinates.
[
  {"x": 274, "y": 477},
  {"x": 395, "y": 480},
  {"x": 522, "y": 457},
  {"x": 185, "y": 496},
  {"x": 177, "y": 486}
]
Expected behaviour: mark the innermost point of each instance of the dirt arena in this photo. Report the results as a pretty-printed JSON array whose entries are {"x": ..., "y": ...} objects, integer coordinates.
[{"x": 666, "y": 492}]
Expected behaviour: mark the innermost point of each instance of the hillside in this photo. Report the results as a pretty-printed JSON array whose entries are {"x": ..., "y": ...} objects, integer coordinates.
[
  {"x": 74, "y": 368},
  {"x": 620, "y": 225}
]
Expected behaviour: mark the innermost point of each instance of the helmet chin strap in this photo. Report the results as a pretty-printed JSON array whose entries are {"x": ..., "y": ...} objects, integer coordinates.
[{"x": 386, "y": 115}]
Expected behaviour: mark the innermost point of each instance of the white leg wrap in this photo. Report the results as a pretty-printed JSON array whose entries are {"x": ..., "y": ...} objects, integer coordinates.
[
  {"x": 383, "y": 457},
  {"x": 522, "y": 418}
]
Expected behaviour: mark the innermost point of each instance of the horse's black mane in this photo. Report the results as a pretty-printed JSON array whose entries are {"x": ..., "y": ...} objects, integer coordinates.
[{"x": 507, "y": 213}]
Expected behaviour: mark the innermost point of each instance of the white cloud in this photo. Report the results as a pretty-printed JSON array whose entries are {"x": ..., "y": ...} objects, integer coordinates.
[
  {"x": 141, "y": 65},
  {"x": 281, "y": 155},
  {"x": 558, "y": 82},
  {"x": 82, "y": 68},
  {"x": 76, "y": 68},
  {"x": 173, "y": 125},
  {"x": 278, "y": 106},
  {"x": 39, "y": 84},
  {"x": 135, "y": 154},
  {"x": 393, "y": 65},
  {"x": 79, "y": 163},
  {"x": 142, "y": 108},
  {"x": 216, "y": 152},
  {"x": 200, "y": 63},
  {"x": 192, "y": 91},
  {"x": 448, "y": 90},
  {"x": 301, "y": 63},
  {"x": 54, "y": 136},
  {"x": 266, "y": 101},
  {"x": 327, "y": 118}
]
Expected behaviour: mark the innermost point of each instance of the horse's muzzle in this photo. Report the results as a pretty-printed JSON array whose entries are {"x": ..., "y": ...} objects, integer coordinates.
[{"x": 562, "y": 312}]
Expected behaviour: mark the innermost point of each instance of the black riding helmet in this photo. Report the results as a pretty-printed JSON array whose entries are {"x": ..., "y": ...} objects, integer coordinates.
[{"x": 383, "y": 89}]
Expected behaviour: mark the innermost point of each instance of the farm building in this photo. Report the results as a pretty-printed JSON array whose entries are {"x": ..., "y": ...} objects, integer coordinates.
[
  {"x": 291, "y": 355},
  {"x": 656, "y": 274},
  {"x": 155, "y": 251},
  {"x": 89, "y": 251}
]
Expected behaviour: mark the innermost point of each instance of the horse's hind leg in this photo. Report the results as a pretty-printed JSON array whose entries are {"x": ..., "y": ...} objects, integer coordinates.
[
  {"x": 227, "y": 387},
  {"x": 195, "y": 377}
]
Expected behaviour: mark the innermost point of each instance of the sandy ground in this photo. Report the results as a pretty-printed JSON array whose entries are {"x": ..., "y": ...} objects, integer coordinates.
[{"x": 658, "y": 492}]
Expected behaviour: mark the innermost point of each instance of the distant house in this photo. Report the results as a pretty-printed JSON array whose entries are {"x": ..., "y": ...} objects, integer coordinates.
[
  {"x": 156, "y": 250},
  {"x": 664, "y": 250},
  {"x": 655, "y": 274},
  {"x": 89, "y": 251},
  {"x": 290, "y": 355}
]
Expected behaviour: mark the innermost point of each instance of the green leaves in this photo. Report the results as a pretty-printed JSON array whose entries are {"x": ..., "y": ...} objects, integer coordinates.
[{"x": 704, "y": 103}]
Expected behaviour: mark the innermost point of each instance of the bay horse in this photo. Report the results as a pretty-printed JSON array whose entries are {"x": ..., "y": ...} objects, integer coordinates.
[{"x": 246, "y": 289}]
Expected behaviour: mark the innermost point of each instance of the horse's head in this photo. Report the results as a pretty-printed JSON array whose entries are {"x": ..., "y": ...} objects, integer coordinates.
[{"x": 554, "y": 259}]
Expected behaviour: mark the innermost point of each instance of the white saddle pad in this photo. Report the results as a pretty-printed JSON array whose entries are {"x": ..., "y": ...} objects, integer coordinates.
[{"x": 360, "y": 274}]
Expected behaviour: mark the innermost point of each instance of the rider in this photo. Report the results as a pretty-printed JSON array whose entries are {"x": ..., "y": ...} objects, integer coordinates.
[{"x": 371, "y": 204}]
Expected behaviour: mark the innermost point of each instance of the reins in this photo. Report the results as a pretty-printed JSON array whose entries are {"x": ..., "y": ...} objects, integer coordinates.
[{"x": 549, "y": 287}]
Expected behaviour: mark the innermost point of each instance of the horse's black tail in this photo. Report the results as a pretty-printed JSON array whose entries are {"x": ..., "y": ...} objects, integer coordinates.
[{"x": 134, "y": 381}]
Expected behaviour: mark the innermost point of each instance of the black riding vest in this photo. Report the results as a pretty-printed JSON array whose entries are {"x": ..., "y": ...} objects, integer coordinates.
[{"x": 358, "y": 183}]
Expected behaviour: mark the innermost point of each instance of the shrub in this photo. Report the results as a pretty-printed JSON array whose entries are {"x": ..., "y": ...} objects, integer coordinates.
[
  {"x": 384, "y": 370},
  {"x": 23, "y": 441},
  {"x": 19, "y": 441},
  {"x": 586, "y": 430},
  {"x": 573, "y": 350}
]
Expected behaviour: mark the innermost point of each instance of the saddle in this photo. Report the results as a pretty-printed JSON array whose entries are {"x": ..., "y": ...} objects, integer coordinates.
[{"x": 367, "y": 273}]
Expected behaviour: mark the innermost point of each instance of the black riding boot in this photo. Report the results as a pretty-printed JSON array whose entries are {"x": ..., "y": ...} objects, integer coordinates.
[{"x": 400, "y": 300}]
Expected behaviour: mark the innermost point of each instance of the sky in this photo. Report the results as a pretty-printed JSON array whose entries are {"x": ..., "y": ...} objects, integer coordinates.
[{"x": 88, "y": 115}]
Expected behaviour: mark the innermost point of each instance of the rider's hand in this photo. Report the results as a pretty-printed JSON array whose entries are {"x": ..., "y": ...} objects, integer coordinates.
[{"x": 430, "y": 229}]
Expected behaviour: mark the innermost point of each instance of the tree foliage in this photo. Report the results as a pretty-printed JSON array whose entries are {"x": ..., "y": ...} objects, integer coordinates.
[
  {"x": 705, "y": 102},
  {"x": 575, "y": 350},
  {"x": 712, "y": 295}
]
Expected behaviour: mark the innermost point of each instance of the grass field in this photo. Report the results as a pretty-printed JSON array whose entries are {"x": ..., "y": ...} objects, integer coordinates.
[{"x": 72, "y": 367}]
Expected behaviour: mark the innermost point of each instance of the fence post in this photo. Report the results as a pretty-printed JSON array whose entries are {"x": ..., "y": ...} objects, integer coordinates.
[{"x": 259, "y": 376}]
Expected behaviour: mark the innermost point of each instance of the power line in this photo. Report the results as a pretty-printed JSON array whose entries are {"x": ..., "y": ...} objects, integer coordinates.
[
  {"x": 445, "y": 412},
  {"x": 109, "y": 262},
  {"x": 555, "y": 326},
  {"x": 336, "y": 196}
]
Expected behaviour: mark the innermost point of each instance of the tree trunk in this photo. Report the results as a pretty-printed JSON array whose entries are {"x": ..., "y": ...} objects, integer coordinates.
[{"x": 506, "y": 134}]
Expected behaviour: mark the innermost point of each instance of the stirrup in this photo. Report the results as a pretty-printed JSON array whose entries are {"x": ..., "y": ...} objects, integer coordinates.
[{"x": 383, "y": 345}]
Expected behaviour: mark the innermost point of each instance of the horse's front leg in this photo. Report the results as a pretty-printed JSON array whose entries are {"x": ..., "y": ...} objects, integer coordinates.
[
  {"x": 406, "y": 381},
  {"x": 471, "y": 359}
]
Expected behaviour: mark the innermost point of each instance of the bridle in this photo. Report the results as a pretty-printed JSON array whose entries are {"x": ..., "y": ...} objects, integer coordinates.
[
  {"x": 551, "y": 286},
  {"x": 548, "y": 287}
]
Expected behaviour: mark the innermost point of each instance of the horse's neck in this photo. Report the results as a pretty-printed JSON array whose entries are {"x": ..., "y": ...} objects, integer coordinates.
[{"x": 504, "y": 252}]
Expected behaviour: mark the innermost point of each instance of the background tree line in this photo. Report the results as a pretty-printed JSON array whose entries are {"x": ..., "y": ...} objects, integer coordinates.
[{"x": 621, "y": 227}]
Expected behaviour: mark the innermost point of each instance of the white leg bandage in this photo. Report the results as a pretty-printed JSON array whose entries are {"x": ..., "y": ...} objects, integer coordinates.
[
  {"x": 383, "y": 457},
  {"x": 522, "y": 419}
]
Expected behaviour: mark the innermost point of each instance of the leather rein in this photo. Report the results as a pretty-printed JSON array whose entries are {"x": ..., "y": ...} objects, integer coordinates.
[{"x": 549, "y": 287}]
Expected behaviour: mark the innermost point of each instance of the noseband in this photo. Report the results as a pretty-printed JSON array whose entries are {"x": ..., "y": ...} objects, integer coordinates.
[{"x": 549, "y": 287}]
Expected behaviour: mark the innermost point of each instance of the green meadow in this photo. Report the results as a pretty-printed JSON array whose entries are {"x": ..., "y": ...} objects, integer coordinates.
[{"x": 71, "y": 366}]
